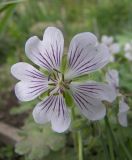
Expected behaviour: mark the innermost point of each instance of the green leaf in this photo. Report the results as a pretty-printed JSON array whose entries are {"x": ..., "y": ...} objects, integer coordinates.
[
  {"x": 65, "y": 154},
  {"x": 39, "y": 140},
  {"x": 22, "y": 147},
  {"x": 6, "y": 17}
]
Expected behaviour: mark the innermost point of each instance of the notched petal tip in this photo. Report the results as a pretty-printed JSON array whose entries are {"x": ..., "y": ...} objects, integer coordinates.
[
  {"x": 13, "y": 68},
  {"x": 53, "y": 109},
  {"x": 86, "y": 55},
  {"x": 31, "y": 43},
  {"x": 38, "y": 115}
]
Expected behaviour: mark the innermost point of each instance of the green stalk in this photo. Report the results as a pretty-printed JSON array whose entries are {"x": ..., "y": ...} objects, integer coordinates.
[
  {"x": 123, "y": 146},
  {"x": 106, "y": 155},
  {"x": 110, "y": 138},
  {"x": 80, "y": 146},
  {"x": 103, "y": 142},
  {"x": 126, "y": 151},
  {"x": 77, "y": 138},
  {"x": 110, "y": 147},
  {"x": 74, "y": 135}
]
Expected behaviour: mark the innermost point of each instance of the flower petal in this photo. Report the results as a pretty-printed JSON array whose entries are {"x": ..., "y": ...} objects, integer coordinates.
[
  {"x": 86, "y": 55},
  {"x": 108, "y": 40},
  {"x": 112, "y": 77},
  {"x": 128, "y": 47},
  {"x": 96, "y": 90},
  {"x": 48, "y": 52},
  {"x": 53, "y": 109},
  {"x": 128, "y": 55},
  {"x": 91, "y": 107},
  {"x": 26, "y": 91},
  {"x": 122, "y": 115},
  {"x": 114, "y": 48},
  {"x": 33, "y": 82},
  {"x": 26, "y": 72}
]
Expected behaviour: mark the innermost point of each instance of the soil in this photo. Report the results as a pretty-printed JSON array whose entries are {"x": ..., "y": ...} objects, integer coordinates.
[
  {"x": 7, "y": 151},
  {"x": 5, "y": 116}
]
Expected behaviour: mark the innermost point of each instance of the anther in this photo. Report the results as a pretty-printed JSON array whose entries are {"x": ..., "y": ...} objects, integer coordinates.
[
  {"x": 52, "y": 84},
  {"x": 56, "y": 70}
]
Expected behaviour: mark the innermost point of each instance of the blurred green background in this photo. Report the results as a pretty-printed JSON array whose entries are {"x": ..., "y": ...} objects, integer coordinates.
[{"x": 22, "y": 19}]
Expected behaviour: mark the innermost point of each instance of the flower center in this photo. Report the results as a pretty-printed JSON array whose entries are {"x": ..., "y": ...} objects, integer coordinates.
[{"x": 57, "y": 83}]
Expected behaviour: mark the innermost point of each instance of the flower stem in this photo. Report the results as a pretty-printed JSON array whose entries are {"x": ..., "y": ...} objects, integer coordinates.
[
  {"x": 103, "y": 142},
  {"x": 125, "y": 150},
  {"x": 77, "y": 137},
  {"x": 74, "y": 135},
  {"x": 110, "y": 138},
  {"x": 80, "y": 146}
]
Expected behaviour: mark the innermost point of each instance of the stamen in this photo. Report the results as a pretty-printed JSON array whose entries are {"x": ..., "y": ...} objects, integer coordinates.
[
  {"x": 56, "y": 70},
  {"x": 62, "y": 77},
  {"x": 49, "y": 77},
  {"x": 54, "y": 76},
  {"x": 52, "y": 84},
  {"x": 66, "y": 86}
]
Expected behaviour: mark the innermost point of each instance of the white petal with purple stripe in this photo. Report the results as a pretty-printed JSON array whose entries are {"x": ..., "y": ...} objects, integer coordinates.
[
  {"x": 90, "y": 107},
  {"x": 48, "y": 52},
  {"x": 95, "y": 90},
  {"x": 86, "y": 55},
  {"x": 53, "y": 109},
  {"x": 32, "y": 84}
]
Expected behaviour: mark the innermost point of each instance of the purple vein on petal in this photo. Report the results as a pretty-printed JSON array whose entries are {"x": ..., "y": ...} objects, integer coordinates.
[
  {"x": 72, "y": 55},
  {"x": 46, "y": 102},
  {"x": 37, "y": 90},
  {"x": 62, "y": 104},
  {"x": 84, "y": 93},
  {"x": 46, "y": 59},
  {"x": 75, "y": 60},
  {"x": 42, "y": 62},
  {"x": 57, "y": 54},
  {"x": 84, "y": 99},
  {"x": 53, "y": 52},
  {"x": 77, "y": 67},
  {"x": 79, "y": 101},
  {"x": 88, "y": 87},
  {"x": 55, "y": 103},
  {"x": 50, "y": 104},
  {"x": 36, "y": 86},
  {"x": 59, "y": 108},
  {"x": 50, "y": 59},
  {"x": 35, "y": 75}
]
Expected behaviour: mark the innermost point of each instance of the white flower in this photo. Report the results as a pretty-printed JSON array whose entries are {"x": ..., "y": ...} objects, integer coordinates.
[
  {"x": 112, "y": 77},
  {"x": 85, "y": 55},
  {"x": 128, "y": 51},
  {"x": 114, "y": 48},
  {"x": 122, "y": 115}
]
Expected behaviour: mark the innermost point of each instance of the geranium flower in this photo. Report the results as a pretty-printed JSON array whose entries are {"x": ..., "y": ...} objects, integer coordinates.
[
  {"x": 128, "y": 51},
  {"x": 112, "y": 78},
  {"x": 114, "y": 48},
  {"x": 122, "y": 114},
  {"x": 85, "y": 55}
]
